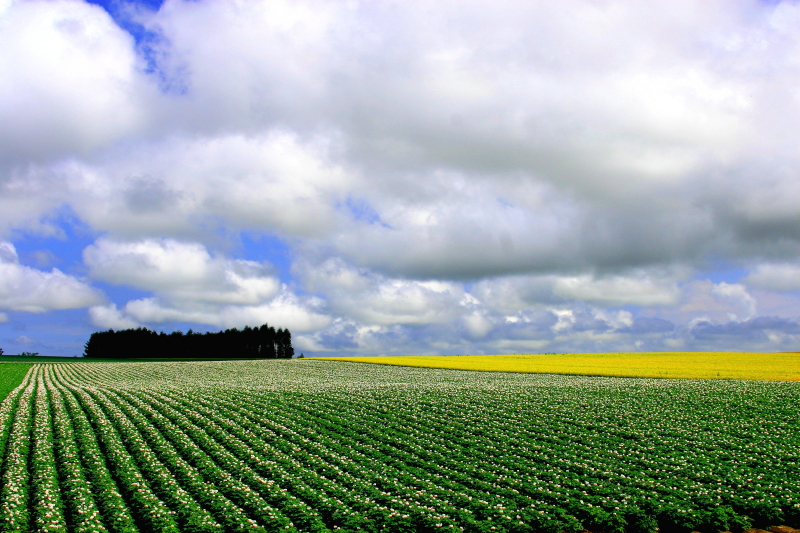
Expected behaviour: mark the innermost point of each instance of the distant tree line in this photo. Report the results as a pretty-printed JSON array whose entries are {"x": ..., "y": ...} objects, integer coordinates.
[{"x": 263, "y": 342}]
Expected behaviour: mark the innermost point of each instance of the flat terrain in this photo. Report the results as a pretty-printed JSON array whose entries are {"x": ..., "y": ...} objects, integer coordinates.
[
  {"x": 693, "y": 365},
  {"x": 11, "y": 375},
  {"x": 308, "y": 445}
]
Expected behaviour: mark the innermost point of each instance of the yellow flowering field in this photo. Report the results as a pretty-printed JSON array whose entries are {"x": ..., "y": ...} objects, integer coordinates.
[{"x": 698, "y": 365}]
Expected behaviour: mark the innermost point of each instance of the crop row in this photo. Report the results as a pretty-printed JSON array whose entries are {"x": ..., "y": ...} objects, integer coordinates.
[{"x": 312, "y": 446}]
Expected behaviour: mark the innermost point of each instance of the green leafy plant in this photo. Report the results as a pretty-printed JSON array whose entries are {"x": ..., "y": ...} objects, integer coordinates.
[{"x": 271, "y": 446}]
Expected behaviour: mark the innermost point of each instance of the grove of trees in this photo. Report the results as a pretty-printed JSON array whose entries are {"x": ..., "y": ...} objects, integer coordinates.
[{"x": 263, "y": 342}]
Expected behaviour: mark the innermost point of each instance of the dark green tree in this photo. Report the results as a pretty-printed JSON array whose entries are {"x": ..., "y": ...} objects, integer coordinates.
[{"x": 262, "y": 342}]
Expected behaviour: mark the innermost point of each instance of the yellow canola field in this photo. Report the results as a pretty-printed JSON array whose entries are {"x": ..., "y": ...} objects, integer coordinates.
[{"x": 694, "y": 365}]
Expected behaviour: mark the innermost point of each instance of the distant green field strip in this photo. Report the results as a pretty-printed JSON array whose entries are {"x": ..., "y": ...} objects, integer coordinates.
[{"x": 11, "y": 375}]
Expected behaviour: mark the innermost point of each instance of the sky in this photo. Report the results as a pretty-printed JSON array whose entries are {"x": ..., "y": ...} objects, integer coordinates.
[{"x": 401, "y": 178}]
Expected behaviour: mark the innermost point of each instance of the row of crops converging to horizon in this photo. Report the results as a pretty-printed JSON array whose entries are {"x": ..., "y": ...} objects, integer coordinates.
[{"x": 330, "y": 446}]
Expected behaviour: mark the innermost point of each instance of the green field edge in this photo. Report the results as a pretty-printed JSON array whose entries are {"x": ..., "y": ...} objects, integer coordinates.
[
  {"x": 11, "y": 375},
  {"x": 35, "y": 359}
]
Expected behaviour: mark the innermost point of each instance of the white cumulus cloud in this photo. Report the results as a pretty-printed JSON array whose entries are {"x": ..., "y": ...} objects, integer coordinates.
[
  {"x": 287, "y": 311},
  {"x": 378, "y": 300},
  {"x": 181, "y": 271},
  {"x": 637, "y": 289},
  {"x": 441, "y": 174},
  {"x": 69, "y": 80},
  {"x": 776, "y": 277},
  {"x": 192, "y": 285},
  {"x": 109, "y": 317},
  {"x": 270, "y": 181},
  {"x": 23, "y": 288}
]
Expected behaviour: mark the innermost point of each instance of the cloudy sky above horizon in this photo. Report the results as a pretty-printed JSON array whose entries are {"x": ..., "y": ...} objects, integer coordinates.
[{"x": 414, "y": 177}]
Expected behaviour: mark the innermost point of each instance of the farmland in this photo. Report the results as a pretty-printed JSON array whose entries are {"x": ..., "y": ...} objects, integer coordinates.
[
  {"x": 305, "y": 445},
  {"x": 11, "y": 374},
  {"x": 692, "y": 365}
]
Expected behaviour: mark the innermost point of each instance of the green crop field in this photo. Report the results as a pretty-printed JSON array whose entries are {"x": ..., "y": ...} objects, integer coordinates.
[
  {"x": 11, "y": 375},
  {"x": 305, "y": 445}
]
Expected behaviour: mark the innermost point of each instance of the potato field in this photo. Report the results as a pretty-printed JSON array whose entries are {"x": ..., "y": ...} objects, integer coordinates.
[{"x": 309, "y": 445}]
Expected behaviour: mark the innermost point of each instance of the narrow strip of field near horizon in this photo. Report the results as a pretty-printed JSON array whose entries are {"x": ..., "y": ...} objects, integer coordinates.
[
  {"x": 11, "y": 375},
  {"x": 684, "y": 365}
]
